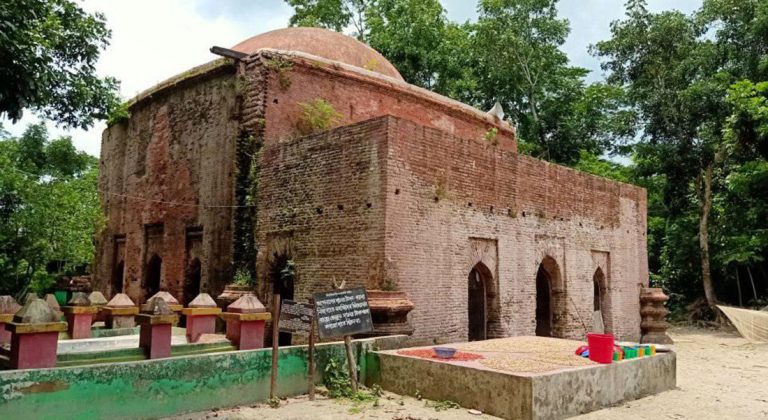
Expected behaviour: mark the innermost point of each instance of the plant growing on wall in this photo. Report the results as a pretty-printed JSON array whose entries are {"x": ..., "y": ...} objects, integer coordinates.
[
  {"x": 389, "y": 284},
  {"x": 441, "y": 192},
  {"x": 283, "y": 67},
  {"x": 119, "y": 115},
  {"x": 242, "y": 277},
  {"x": 317, "y": 115},
  {"x": 490, "y": 136},
  {"x": 288, "y": 272}
]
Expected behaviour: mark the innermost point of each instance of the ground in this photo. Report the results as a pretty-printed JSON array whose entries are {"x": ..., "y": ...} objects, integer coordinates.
[{"x": 719, "y": 376}]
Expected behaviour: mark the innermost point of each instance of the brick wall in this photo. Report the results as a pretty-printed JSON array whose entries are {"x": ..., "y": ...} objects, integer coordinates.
[
  {"x": 177, "y": 148},
  {"x": 444, "y": 194},
  {"x": 420, "y": 200},
  {"x": 359, "y": 97},
  {"x": 324, "y": 196}
]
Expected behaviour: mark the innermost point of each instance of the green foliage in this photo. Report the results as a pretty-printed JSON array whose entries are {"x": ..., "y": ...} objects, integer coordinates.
[
  {"x": 331, "y": 14},
  {"x": 443, "y": 405},
  {"x": 316, "y": 116},
  {"x": 274, "y": 402},
  {"x": 511, "y": 55},
  {"x": 282, "y": 67},
  {"x": 693, "y": 81},
  {"x": 490, "y": 136},
  {"x": 49, "y": 210},
  {"x": 49, "y": 50},
  {"x": 390, "y": 283},
  {"x": 336, "y": 379},
  {"x": 417, "y": 38},
  {"x": 119, "y": 114},
  {"x": 747, "y": 125},
  {"x": 243, "y": 277},
  {"x": 595, "y": 165}
]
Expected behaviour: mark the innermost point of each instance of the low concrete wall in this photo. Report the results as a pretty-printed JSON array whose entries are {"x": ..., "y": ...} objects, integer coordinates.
[
  {"x": 580, "y": 391},
  {"x": 536, "y": 396},
  {"x": 492, "y": 392},
  {"x": 154, "y": 388}
]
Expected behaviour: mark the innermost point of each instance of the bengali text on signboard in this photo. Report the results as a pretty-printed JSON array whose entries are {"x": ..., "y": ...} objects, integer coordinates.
[
  {"x": 296, "y": 318},
  {"x": 343, "y": 312}
]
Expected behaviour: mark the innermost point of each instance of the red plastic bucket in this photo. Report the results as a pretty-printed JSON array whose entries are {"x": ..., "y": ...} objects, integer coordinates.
[{"x": 600, "y": 347}]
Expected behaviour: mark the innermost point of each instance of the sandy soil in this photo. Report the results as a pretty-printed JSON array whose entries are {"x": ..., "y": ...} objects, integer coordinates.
[
  {"x": 719, "y": 376},
  {"x": 390, "y": 407}
]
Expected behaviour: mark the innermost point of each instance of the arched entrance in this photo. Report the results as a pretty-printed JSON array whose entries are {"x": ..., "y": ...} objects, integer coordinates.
[
  {"x": 192, "y": 280},
  {"x": 282, "y": 274},
  {"x": 549, "y": 302},
  {"x": 478, "y": 284},
  {"x": 152, "y": 276},
  {"x": 117, "y": 278},
  {"x": 598, "y": 301},
  {"x": 543, "y": 303}
]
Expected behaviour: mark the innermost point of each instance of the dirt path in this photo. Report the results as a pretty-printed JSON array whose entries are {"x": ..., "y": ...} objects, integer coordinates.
[
  {"x": 719, "y": 376},
  {"x": 390, "y": 407}
]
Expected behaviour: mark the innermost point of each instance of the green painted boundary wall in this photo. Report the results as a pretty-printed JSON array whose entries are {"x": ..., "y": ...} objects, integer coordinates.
[{"x": 163, "y": 387}]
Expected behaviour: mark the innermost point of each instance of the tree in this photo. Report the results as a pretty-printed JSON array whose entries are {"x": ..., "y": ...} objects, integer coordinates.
[
  {"x": 411, "y": 34},
  {"x": 520, "y": 63},
  {"x": 511, "y": 55},
  {"x": 48, "y": 52},
  {"x": 49, "y": 210},
  {"x": 677, "y": 70},
  {"x": 336, "y": 15}
]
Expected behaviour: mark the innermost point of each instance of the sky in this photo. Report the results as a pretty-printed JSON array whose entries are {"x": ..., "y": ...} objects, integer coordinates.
[{"x": 153, "y": 40}]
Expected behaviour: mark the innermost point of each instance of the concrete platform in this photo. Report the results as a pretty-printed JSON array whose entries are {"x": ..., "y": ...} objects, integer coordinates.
[
  {"x": 178, "y": 337},
  {"x": 526, "y": 378}
]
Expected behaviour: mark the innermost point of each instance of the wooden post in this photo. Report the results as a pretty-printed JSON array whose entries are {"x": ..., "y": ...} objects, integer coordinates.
[
  {"x": 311, "y": 373},
  {"x": 275, "y": 344},
  {"x": 351, "y": 363}
]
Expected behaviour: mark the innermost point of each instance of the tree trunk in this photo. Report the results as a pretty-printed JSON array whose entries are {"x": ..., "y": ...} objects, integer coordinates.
[
  {"x": 752, "y": 280},
  {"x": 537, "y": 123},
  {"x": 738, "y": 287},
  {"x": 706, "y": 206}
]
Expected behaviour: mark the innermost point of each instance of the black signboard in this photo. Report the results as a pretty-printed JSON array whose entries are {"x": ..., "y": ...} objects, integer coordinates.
[
  {"x": 296, "y": 318},
  {"x": 343, "y": 312}
]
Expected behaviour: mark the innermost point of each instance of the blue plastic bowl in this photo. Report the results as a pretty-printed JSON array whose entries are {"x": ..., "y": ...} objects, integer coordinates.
[{"x": 444, "y": 352}]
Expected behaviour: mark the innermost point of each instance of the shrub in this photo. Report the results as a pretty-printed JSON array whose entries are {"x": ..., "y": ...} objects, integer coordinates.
[{"x": 317, "y": 115}]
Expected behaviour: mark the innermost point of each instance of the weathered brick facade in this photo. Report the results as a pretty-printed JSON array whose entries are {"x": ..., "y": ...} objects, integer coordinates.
[
  {"x": 407, "y": 191},
  {"x": 175, "y": 153}
]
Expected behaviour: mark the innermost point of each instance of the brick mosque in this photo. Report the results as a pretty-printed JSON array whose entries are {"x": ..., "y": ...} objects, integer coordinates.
[{"x": 309, "y": 149}]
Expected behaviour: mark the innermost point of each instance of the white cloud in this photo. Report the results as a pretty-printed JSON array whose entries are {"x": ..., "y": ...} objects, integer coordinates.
[{"x": 153, "y": 40}]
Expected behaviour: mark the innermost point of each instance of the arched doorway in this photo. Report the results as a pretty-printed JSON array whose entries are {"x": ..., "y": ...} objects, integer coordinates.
[
  {"x": 550, "y": 304},
  {"x": 543, "y": 303},
  {"x": 478, "y": 284},
  {"x": 282, "y": 274},
  {"x": 152, "y": 276},
  {"x": 192, "y": 280},
  {"x": 117, "y": 278},
  {"x": 598, "y": 301}
]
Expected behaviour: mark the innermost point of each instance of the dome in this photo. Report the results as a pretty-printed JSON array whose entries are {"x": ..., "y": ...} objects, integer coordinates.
[{"x": 322, "y": 43}]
